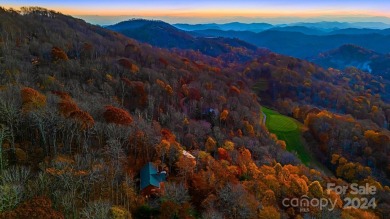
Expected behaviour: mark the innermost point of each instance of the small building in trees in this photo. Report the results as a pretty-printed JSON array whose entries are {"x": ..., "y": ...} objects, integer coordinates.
[
  {"x": 210, "y": 115},
  {"x": 152, "y": 181},
  {"x": 188, "y": 155}
]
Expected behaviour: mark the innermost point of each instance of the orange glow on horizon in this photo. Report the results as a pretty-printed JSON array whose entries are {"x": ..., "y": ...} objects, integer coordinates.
[
  {"x": 211, "y": 13},
  {"x": 216, "y": 13}
]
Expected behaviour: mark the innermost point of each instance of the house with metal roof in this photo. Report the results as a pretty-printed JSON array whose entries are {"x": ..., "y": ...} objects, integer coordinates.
[{"x": 152, "y": 181}]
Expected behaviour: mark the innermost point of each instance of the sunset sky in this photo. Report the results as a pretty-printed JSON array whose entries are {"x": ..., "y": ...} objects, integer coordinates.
[{"x": 98, "y": 11}]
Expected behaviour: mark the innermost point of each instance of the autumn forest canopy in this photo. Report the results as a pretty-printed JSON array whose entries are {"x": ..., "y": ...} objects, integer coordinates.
[{"x": 132, "y": 123}]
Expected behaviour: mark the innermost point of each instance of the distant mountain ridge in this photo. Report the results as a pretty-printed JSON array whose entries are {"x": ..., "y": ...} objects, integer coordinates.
[
  {"x": 361, "y": 48},
  {"x": 361, "y": 31},
  {"x": 157, "y": 33},
  {"x": 161, "y": 34},
  {"x": 324, "y": 26},
  {"x": 302, "y": 45},
  {"x": 300, "y": 29},
  {"x": 236, "y": 26}
]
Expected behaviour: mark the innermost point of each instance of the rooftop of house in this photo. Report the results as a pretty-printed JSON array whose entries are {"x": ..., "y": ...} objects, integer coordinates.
[
  {"x": 151, "y": 176},
  {"x": 188, "y": 154}
]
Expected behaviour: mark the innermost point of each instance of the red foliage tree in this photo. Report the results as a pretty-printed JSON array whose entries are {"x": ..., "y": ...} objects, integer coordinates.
[
  {"x": 168, "y": 135},
  {"x": 223, "y": 154},
  {"x": 125, "y": 63},
  {"x": 163, "y": 61},
  {"x": 139, "y": 93},
  {"x": 61, "y": 94},
  {"x": 234, "y": 90},
  {"x": 117, "y": 116},
  {"x": 67, "y": 106},
  {"x": 83, "y": 118},
  {"x": 194, "y": 94}
]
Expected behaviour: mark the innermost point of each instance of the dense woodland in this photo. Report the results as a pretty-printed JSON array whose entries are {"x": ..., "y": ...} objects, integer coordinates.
[{"x": 83, "y": 108}]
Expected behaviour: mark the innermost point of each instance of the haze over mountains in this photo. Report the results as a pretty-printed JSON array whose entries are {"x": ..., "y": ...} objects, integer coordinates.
[
  {"x": 325, "y": 26},
  {"x": 306, "y": 41},
  {"x": 329, "y": 44},
  {"x": 237, "y": 26}
]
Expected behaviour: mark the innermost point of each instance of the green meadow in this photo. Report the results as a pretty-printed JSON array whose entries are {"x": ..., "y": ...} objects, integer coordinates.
[{"x": 288, "y": 130}]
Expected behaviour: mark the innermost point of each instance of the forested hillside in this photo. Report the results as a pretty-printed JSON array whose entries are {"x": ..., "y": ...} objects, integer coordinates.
[
  {"x": 83, "y": 109},
  {"x": 344, "y": 111},
  {"x": 352, "y": 55}
]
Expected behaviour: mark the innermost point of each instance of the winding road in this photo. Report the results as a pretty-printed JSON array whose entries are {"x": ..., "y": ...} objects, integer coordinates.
[{"x": 264, "y": 118}]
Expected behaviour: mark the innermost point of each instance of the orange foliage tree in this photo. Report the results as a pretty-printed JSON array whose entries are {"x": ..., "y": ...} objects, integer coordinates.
[
  {"x": 185, "y": 166},
  {"x": 58, "y": 54},
  {"x": 36, "y": 208},
  {"x": 249, "y": 128},
  {"x": 316, "y": 190},
  {"x": 210, "y": 144},
  {"x": 349, "y": 170},
  {"x": 165, "y": 86},
  {"x": 169, "y": 150},
  {"x": 358, "y": 214},
  {"x": 228, "y": 145},
  {"x": 32, "y": 99},
  {"x": 224, "y": 115},
  {"x": 269, "y": 212}
]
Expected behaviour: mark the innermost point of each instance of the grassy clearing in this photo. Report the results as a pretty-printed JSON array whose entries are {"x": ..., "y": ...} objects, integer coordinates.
[
  {"x": 281, "y": 123},
  {"x": 288, "y": 130}
]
